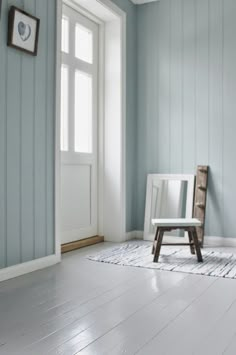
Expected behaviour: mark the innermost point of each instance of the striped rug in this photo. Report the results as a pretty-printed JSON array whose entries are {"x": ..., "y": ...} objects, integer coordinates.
[{"x": 218, "y": 264}]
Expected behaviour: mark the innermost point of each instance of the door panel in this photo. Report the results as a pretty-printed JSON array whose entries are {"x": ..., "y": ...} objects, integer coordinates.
[{"x": 77, "y": 209}]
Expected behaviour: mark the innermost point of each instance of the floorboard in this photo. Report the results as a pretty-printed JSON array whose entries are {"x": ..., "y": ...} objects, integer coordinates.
[{"x": 89, "y": 308}]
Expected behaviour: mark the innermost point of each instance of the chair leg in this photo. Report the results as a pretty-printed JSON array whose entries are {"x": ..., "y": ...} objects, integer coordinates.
[
  {"x": 155, "y": 241},
  {"x": 192, "y": 249},
  {"x": 197, "y": 246},
  {"x": 158, "y": 246}
]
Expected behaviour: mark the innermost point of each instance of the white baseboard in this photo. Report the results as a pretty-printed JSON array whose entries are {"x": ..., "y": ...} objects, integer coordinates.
[
  {"x": 210, "y": 241},
  {"x": 30, "y": 266},
  {"x": 134, "y": 235},
  {"x": 139, "y": 235},
  {"x": 219, "y": 242},
  {"x": 130, "y": 235}
]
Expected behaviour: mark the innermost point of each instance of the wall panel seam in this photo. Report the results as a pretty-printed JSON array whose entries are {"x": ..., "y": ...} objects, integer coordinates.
[
  {"x": 46, "y": 140},
  {"x": 223, "y": 111},
  {"x": 34, "y": 119},
  {"x": 6, "y": 183},
  {"x": 20, "y": 158},
  {"x": 195, "y": 82}
]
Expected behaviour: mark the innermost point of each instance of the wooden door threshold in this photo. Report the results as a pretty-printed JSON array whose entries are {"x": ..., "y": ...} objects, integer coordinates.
[{"x": 81, "y": 243}]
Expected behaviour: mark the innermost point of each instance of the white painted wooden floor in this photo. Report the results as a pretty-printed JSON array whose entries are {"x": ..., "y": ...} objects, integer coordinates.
[{"x": 93, "y": 308}]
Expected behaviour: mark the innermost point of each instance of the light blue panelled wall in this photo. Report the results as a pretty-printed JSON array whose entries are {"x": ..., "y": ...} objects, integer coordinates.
[
  {"x": 27, "y": 140},
  {"x": 187, "y": 100}
]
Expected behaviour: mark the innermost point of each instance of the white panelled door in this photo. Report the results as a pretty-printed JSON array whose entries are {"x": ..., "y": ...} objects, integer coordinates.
[{"x": 79, "y": 106}]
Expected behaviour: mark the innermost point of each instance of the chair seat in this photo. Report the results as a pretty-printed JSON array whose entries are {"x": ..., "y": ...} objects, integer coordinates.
[{"x": 176, "y": 222}]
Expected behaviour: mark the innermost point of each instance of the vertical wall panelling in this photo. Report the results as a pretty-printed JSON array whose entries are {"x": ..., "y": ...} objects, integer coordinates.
[
  {"x": 13, "y": 155},
  {"x": 176, "y": 107},
  {"x": 3, "y": 123},
  {"x": 229, "y": 167},
  {"x": 50, "y": 77},
  {"x": 189, "y": 86},
  {"x": 150, "y": 91},
  {"x": 131, "y": 114},
  {"x": 141, "y": 95},
  {"x": 215, "y": 195},
  {"x": 202, "y": 86},
  {"x": 196, "y": 46},
  {"x": 147, "y": 101},
  {"x": 40, "y": 134},
  {"x": 27, "y": 94},
  {"x": 163, "y": 133},
  {"x": 202, "y": 81},
  {"x": 27, "y": 150}
]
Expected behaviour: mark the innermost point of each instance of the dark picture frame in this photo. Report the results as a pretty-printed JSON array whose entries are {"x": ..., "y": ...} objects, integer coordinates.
[
  {"x": 23, "y": 31},
  {"x": 0, "y": 8}
]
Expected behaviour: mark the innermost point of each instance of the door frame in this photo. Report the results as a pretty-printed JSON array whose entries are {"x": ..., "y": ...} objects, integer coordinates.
[{"x": 106, "y": 222}]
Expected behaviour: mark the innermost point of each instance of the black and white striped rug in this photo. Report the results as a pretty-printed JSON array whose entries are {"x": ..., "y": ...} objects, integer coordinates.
[{"x": 218, "y": 264}]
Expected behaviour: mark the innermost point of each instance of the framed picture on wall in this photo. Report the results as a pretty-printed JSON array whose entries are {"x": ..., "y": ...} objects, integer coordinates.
[
  {"x": 23, "y": 31},
  {"x": 0, "y": 8}
]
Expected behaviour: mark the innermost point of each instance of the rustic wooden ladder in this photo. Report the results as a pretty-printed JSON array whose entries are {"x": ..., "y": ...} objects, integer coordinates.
[{"x": 199, "y": 209}]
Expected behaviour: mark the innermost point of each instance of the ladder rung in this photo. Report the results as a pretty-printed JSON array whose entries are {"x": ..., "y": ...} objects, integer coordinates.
[
  {"x": 203, "y": 188},
  {"x": 200, "y": 205}
]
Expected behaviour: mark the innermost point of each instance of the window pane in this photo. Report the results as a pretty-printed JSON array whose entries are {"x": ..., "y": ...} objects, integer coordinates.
[
  {"x": 64, "y": 108},
  {"x": 83, "y": 112},
  {"x": 83, "y": 44},
  {"x": 65, "y": 35}
]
